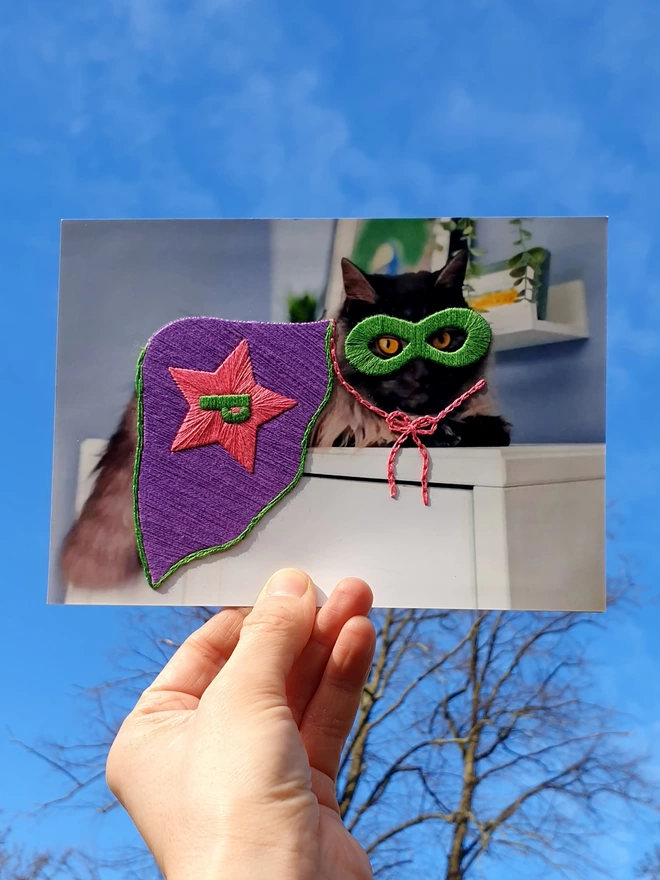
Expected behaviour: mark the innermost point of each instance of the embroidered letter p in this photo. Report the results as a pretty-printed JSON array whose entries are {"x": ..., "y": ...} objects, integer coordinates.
[{"x": 233, "y": 408}]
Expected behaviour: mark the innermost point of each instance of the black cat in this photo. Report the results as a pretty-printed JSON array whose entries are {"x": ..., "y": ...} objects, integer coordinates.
[{"x": 421, "y": 387}]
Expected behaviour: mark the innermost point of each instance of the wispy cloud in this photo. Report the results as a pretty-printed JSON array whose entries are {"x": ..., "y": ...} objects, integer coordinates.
[{"x": 187, "y": 101}]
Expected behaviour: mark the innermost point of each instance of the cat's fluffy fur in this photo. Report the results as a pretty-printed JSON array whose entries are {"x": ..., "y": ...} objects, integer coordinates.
[{"x": 100, "y": 549}]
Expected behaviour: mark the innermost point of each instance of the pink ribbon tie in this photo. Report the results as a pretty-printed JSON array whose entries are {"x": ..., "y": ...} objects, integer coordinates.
[{"x": 402, "y": 424}]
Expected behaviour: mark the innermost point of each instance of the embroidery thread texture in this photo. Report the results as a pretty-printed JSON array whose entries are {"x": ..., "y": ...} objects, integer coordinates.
[
  {"x": 185, "y": 502},
  {"x": 416, "y": 336},
  {"x": 235, "y": 431},
  {"x": 227, "y": 405}
]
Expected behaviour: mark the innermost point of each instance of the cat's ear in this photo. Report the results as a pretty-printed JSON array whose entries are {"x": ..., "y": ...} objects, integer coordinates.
[
  {"x": 452, "y": 276},
  {"x": 355, "y": 284}
]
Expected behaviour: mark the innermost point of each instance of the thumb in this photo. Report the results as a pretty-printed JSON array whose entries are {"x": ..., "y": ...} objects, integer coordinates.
[{"x": 273, "y": 635}]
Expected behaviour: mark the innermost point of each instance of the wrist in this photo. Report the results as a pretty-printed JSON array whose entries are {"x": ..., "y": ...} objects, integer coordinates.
[
  {"x": 263, "y": 863},
  {"x": 234, "y": 859}
]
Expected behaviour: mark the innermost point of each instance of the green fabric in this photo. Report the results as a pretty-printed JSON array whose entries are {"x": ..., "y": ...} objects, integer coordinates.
[
  {"x": 416, "y": 336},
  {"x": 224, "y": 403}
]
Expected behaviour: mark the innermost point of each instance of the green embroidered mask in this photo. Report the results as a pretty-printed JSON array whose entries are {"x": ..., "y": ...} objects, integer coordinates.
[{"x": 381, "y": 344}]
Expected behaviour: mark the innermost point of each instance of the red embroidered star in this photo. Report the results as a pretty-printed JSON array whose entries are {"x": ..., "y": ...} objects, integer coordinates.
[{"x": 212, "y": 418}]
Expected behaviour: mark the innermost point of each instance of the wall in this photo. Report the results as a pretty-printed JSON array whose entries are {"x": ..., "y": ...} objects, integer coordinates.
[
  {"x": 556, "y": 393},
  {"x": 300, "y": 253}
]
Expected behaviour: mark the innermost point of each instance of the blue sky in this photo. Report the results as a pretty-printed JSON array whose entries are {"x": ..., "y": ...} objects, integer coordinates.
[{"x": 239, "y": 108}]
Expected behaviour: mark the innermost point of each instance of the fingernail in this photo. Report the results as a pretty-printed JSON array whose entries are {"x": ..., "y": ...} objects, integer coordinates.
[{"x": 288, "y": 582}]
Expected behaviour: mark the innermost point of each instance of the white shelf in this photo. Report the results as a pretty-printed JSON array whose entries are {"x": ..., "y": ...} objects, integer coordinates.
[{"x": 517, "y": 325}]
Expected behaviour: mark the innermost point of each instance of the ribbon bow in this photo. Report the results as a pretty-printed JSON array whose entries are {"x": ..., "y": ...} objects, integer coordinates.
[{"x": 402, "y": 424}]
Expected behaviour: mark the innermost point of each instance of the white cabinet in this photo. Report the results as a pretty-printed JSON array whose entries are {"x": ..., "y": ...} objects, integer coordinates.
[{"x": 515, "y": 528}]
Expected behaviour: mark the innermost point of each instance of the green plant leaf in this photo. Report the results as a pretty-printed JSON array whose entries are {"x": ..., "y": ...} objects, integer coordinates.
[
  {"x": 302, "y": 309},
  {"x": 478, "y": 252}
]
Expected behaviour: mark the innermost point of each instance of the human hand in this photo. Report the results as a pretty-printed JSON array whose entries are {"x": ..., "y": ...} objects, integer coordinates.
[{"x": 228, "y": 763}]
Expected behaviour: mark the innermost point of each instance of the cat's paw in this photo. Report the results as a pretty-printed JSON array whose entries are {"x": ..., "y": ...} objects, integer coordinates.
[
  {"x": 483, "y": 431},
  {"x": 444, "y": 437}
]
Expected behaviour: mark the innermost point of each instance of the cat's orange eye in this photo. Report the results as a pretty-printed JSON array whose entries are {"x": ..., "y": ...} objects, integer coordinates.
[
  {"x": 388, "y": 345},
  {"x": 442, "y": 340}
]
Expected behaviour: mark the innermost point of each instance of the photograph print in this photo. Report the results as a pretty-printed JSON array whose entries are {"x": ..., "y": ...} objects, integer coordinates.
[{"x": 416, "y": 402}]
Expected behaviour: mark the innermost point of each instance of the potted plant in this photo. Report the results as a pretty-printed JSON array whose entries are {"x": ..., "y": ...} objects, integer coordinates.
[
  {"x": 462, "y": 232},
  {"x": 522, "y": 277},
  {"x": 530, "y": 268}
]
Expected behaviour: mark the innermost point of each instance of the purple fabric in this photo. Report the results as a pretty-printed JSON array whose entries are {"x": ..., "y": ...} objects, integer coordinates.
[{"x": 200, "y": 498}]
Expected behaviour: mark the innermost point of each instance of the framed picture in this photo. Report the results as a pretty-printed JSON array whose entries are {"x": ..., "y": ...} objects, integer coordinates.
[
  {"x": 410, "y": 436},
  {"x": 387, "y": 247}
]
